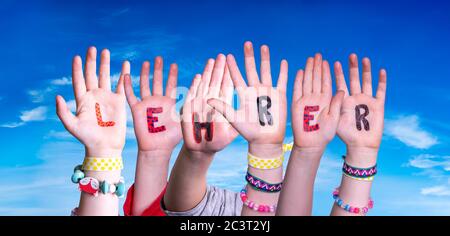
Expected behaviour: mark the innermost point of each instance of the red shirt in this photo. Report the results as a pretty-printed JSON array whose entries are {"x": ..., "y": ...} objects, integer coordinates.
[{"x": 153, "y": 210}]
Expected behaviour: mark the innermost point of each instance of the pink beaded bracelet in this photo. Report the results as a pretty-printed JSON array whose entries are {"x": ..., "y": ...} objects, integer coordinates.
[
  {"x": 254, "y": 206},
  {"x": 356, "y": 210}
]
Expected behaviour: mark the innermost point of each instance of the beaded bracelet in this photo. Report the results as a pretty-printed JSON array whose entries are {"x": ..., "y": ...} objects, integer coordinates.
[
  {"x": 93, "y": 186},
  {"x": 254, "y": 206},
  {"x": 356, "y": 210},
  {"x": 260, "y": 185}
]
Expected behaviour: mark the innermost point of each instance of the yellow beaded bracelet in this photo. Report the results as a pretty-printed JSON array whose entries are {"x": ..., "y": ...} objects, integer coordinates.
[
  {"x": 268, "y": 163},
  {"x": 102, "y": 164}
]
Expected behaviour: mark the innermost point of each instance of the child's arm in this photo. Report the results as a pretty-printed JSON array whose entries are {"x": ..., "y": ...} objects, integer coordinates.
[
  {"x": 361, "y": 128},
  {"x": 157, "y": 129},
  {"x": 315, "y": 116},
  {"x": 100, "y": 124},
  {"x": 261, "y": 120},
  {"x": 205, "y": 132}
]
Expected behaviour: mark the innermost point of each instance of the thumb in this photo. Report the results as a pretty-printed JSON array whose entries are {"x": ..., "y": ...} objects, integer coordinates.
[
  {"x": 64, "y": 114},
  {"x": 336, "y": 103}
]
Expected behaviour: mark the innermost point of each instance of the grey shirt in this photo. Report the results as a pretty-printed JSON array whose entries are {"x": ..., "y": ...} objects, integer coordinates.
[{"x": 216, "y": 202}]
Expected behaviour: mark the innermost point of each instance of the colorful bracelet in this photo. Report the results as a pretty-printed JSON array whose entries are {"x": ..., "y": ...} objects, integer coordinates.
[
  {"x": 356, "y": 210},
  {"x": 260, "y": 185},
  {"x": 359, "y": 172},
  {"x": 102, "y": 164},
  {"x": 369, "y": 179},
  {"x": 93, "y": 186},
  {"x": 254, "y": 206},
  {"x": 265, "y": 164}
]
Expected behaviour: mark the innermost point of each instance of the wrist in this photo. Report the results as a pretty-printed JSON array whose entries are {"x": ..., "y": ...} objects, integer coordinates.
[
  {"x": 361, "y": 157},
  {"x": 309, "y": 153},
  {"x": 265, "y": 150},
  {"x": 156, "y": 156},
  {"x": 197, "y": 155},
  {"x": 103, "y": 152}
]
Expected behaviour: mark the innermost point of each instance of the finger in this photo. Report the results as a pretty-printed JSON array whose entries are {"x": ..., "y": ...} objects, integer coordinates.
[
  {"x": 250, "y": 66},
  {"x": 340, "y": 78},
  {"x": 193, "y": 90},
  {"x": 171, "y": 88},
  {"x": 90, "y": 69},
  {"x": 317, "y": 74},
  {"x": 336, "y": 103},
  {"x": 226, "y": 110},
  {"x": 158, "y": 77},
  {"x": 79, "y": 86},
  {"x": 217, "y": 76},
  {"x": 226, "y": 90},
  {"x": 236, "y": 75},
  {"x": 307, "y": 79},
  {"x": 382, "y": 82},
  {"x": 129, "y": 93},
  {"x": 367, "y": 77},
  {"x": 283, "y": 76},
  {"x": 65, "y": 115},
  {"x": 120, "y": 83},
  {"x": 298, "y": 86},
  {"x": 266, "y": 77},
  {"x": 327, "y": 87},
  {"x": 144, "y": 80},
  {"x": 355, "y": 86},
  {"x": 206, "y": 78},
  {"x": 104, "y": 76}
]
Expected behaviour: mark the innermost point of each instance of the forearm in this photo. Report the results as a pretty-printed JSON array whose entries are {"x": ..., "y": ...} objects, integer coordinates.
[
  {"x": 150, "y": 179},
  {"x": 270, "y": 175},
  {"x": 103, "y": 204},
  {"x": 298, "y": 186},
  {"x": 356, "y": 192},
  {"x": 187, "y": 183}
]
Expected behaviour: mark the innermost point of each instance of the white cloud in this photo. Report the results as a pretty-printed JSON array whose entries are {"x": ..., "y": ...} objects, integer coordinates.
[
  {"x": 440, "y": 191},
  {"x": 36, "y": 114},
  {"x": 406, "y": 129},
  {"x": 59, "y": 134},
  {"x": 37, "y": 95},
  {"x": 427, "y": 161},
  {"x": 62, "y": 81},
  {"x": 72, "y": 105}
]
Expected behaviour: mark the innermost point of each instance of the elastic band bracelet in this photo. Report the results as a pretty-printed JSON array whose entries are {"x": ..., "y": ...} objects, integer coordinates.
[
  {"x": 359, "y": 172},
  {"x": 93, "y": 186},
  {"x": 102, "y": 164},
  {"x": 254, "y": 206},
  {"x": 356, "y": 210},
  {"x": 261, "y": 185},
  {"x": 368, "y": 179}
]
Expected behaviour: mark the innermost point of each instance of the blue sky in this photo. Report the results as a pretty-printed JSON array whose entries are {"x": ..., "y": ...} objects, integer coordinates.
[{"x": 410, "y": 39}]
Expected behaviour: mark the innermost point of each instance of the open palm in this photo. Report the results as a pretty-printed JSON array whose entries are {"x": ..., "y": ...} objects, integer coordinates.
[
  {"x": 215, "y": 82},
  {"x": 315, "y": 114},
  {"x": 366, "y": 129},
  {"x": 261, "y": 117},
  {"x": 100, "y": 121},
  {"x": 155, "y": 117}
]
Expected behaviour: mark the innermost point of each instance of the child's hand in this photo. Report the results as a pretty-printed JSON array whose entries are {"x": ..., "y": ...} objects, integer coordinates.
[
  {"x": 315, "y": 115},
  {"x": 100, "y": 121},
  {"x": 205, "y": 130},
  {"x": 362, "y": 115},
  {"x": 156, "y": 122},
  {"x": 261, "y": 117}
]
